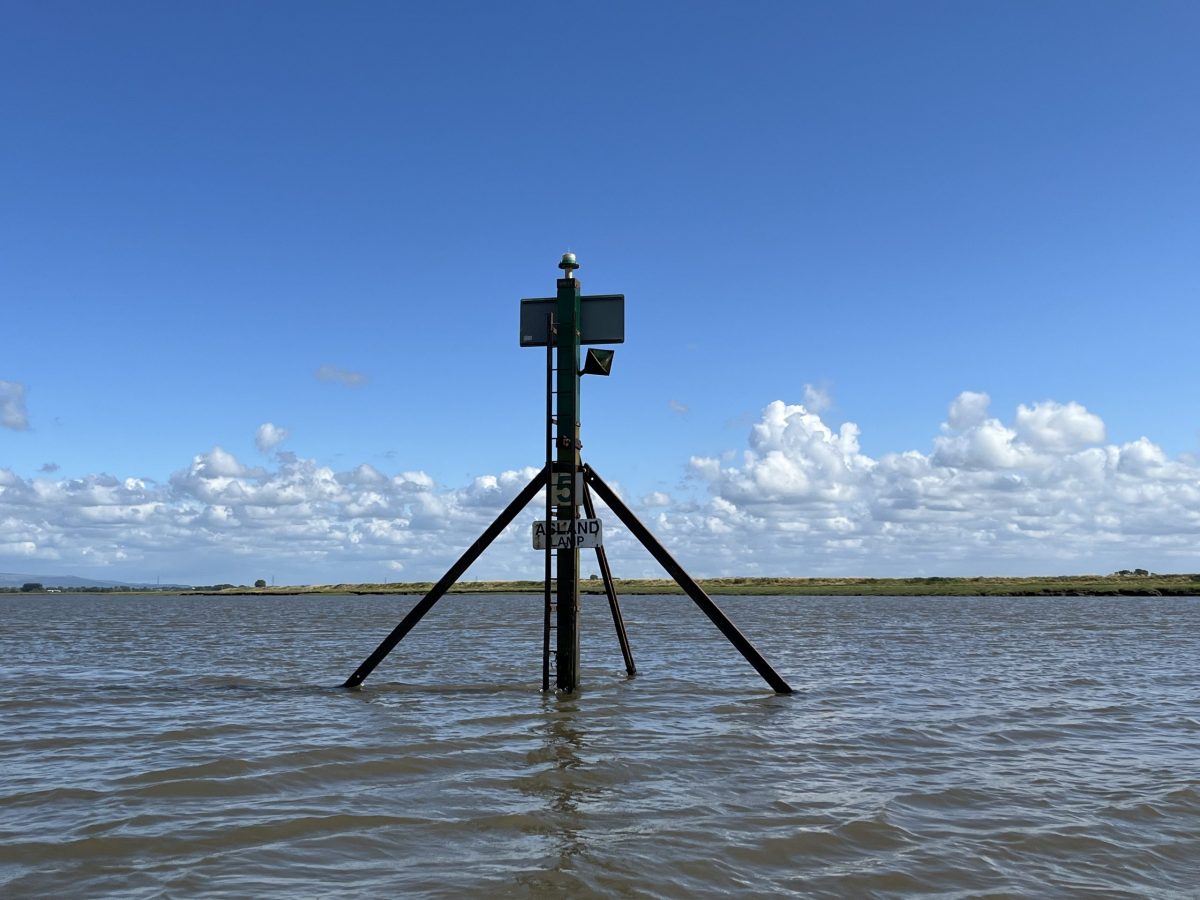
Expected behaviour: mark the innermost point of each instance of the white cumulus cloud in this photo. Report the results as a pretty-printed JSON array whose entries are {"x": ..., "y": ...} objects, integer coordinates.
[
  {"x": 1058, "y": 427},
  {"x": 968, "y": 408},
  {"x": 793, "y": 456},
  {"x": 218, "y": 514},
  {"x": 986, "y": 445},
  {"x": 269, "y": 436},
  {"x": 1041, "y": 493}
]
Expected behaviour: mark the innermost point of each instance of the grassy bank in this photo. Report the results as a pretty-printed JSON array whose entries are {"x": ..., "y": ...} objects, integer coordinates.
[{"x": 1042, "y": 586}]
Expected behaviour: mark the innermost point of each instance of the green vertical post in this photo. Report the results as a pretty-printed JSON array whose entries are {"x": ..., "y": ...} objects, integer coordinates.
[{"x": 567, "y": 459}]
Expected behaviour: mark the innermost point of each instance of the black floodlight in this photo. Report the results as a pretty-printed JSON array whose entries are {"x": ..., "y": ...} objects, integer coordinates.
[{"x": 598, "y": 362}]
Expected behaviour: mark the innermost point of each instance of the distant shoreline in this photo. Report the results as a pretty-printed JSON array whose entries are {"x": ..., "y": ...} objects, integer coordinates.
[{"x": 1039, "y": 586}]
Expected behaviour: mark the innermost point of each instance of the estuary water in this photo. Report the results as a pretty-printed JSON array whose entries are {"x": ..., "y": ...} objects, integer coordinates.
[{"x": 952, "y": 747}]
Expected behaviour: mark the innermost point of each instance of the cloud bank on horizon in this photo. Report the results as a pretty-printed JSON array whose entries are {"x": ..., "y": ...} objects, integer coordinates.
[{"x": 1042, "y": 494}]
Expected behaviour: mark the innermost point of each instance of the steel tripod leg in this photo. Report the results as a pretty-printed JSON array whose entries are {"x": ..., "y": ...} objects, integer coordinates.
[
  {"x": 417, "y": 613},
  {"x": 685, "y": 581},
  {"x": 610, "y": 589}
]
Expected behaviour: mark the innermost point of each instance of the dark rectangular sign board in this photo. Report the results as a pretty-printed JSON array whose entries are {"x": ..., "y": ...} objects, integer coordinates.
[{"x": 602, "y": 320}]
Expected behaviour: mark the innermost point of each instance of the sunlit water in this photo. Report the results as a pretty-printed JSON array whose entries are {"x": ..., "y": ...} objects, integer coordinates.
[{"x": 957, "y": 747}]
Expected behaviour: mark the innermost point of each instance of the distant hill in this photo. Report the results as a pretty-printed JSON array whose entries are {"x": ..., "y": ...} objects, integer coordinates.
[{"x": 8, "y": 579}]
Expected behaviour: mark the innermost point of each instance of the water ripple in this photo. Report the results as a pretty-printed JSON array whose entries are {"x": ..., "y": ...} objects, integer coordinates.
[{"x": 993, "y": 747}]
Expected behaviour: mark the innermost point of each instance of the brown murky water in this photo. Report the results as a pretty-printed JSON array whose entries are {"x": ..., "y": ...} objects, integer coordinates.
[{"x": 951, "y": 747}]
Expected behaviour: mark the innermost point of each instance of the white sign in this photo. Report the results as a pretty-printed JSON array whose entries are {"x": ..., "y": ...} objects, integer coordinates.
[
  {"x": 561, "y": 495},
  {"x": 587, "y": 534}
]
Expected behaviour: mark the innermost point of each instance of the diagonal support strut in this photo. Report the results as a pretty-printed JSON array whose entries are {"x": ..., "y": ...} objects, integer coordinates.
[
  {"x": 685, "y": 581},
  {"x": 610, "y": 589},
  {"x": 455, "y": 572}
]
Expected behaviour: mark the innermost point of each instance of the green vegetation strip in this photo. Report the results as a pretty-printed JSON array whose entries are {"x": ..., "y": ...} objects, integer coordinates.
[{"x": 1053, "y": 586}]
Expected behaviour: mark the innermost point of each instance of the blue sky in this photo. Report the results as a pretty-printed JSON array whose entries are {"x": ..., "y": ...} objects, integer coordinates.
[{"x": 322, "y": 217}]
